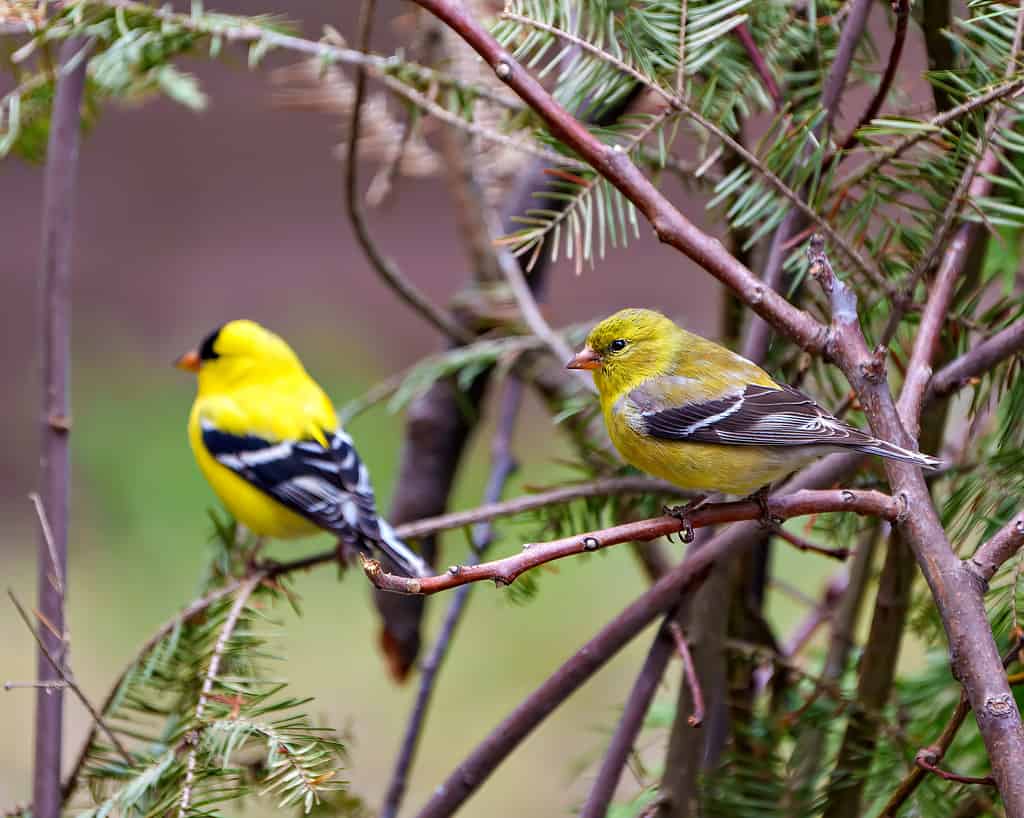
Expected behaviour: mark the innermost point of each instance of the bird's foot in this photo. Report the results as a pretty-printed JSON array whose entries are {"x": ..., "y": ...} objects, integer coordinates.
[
  {"x": 767, "y": 519},
  {"x": 683, "y": 512}
]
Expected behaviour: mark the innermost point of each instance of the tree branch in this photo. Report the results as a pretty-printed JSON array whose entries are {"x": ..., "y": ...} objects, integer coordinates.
[
  {"x": 503, "y": 466},
  {"x": 979, "y": 359},
  {"x": 59, "y": 183},
  {"x": 669, "y": 224},
  {"x": 505, "y": 571},
  {"x": 990, "y": 555},
  {"x": 631, "y": 722},
  {"x": 957, "y": 593},
  {"x": 385, "y": 267},
  {"x": 902, "y": 9}
]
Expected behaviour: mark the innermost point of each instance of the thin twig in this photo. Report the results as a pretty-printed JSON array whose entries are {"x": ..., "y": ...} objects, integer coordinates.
[
  {"x": 679, "y": 103},
  {"x": 630, "y": 723},
  {"x": 385, "y": 267},
  {"x": 929, "y": 766},
  {"x": 503, "y": 466},
  {"x": 505, "y": 571},
  {"x": 932, "y": 128},
  {"x": 902, "y": 9},
  {"x": 51, "y": 546},
  {"x": 803, "y": 544},
  {"x": 66, "y": 679},
  {"x": 245, "y": 590},
  {"x": 696, "y": 718},
  {"x": 742, "y": 32}
]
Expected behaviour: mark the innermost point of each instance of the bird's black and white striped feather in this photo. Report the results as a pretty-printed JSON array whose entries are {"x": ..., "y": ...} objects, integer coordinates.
[
  {"x": 328, "y": 485},
  {"x": 760, "y": 416}
]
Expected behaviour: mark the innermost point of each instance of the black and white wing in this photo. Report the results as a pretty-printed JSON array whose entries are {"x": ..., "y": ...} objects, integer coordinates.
[
  {"x": 328, "y": 485},
  {"x": 758, "y": 416}
]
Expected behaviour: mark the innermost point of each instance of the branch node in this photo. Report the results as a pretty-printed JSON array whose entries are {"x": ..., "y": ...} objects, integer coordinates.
[
  {"x": 591, "y": 543},
  {"x": 904, "y": 511},
  {"x": 503, "y": 70},
  {"x": 59, "y": 423},
  {"x": 998, "y": 707},
  {"x": 873, "y": 369},
  {"x": 454, "y": 570}
]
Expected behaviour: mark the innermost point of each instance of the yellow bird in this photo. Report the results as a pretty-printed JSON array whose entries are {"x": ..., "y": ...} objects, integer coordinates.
[
  {"x": 267, "y": 439},
  {"x": 698, "y": 415}
]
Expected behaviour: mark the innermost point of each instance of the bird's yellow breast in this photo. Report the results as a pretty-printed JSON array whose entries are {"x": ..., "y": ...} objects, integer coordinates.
[{"x": 254, "y": 509}]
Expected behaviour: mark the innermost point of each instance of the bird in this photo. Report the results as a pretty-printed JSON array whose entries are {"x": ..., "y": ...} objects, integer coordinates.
[
  {"x": 696, "y": 414},
  {"x": 267, "y": 439}
]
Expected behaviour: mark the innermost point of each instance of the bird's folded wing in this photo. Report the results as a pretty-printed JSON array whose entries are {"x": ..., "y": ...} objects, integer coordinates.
[
  {"x": 755, "y": 416},
  {"x": 328, "y": 485}
]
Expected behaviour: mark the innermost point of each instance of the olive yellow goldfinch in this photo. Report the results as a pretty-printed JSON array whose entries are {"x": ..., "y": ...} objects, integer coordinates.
[
  {"x": 267, "y": 439},
  {"x": 689, "y": 411}
]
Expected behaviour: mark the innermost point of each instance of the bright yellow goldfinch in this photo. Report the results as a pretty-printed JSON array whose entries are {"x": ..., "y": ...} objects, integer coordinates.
[
  {"x": 267, "y": 439},
  {"x": 693, "y": 413}
]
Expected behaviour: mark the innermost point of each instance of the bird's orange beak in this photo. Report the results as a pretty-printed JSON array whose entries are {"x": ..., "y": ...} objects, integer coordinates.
[
  {"x": 586, "y": 358},
  {"x": 189, "y": 361}
]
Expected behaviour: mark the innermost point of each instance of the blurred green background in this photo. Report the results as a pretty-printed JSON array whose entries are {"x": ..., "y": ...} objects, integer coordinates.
[{"x": 185, "y": 221}]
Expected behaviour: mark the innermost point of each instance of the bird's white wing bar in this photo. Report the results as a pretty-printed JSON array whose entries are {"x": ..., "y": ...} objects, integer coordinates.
[
  {"x": 328, "y": 485},
  {"x": 757, "y": 416}
]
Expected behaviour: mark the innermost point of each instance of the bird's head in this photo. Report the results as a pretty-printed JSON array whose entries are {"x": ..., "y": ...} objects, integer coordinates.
[
  {"x": 627, "y": 348},
  {"x": 236, "y": 351}
]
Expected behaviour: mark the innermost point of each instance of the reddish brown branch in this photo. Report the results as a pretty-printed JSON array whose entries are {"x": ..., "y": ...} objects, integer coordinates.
[
  {"x": 902, "y": 9},
  {"x": 923, "y": 761},
  {"x": 670, "y": 225},
  {"x": 696, "y": 718},
  {"x": 742, "y": 32},
  {"x": 991, "y": 554},
  {"x": 803, "y": 544},
  {"x": 505, "y": 571}
]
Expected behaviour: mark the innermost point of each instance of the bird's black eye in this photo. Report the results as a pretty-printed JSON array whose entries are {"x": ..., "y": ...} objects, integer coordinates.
[{"x": 617, "y": 345}]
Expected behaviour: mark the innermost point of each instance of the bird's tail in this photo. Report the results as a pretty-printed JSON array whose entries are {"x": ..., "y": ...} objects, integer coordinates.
[
  {"x": 408, "y": 561},
  {"x": 893, "y": 452}
]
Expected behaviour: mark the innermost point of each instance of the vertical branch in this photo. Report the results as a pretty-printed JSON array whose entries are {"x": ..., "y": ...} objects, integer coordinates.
[
  {"x": 874, "y": 683},
  {"x": 55, "y": 473},
  {"x": 633, "y": 715},
  {"x": 503, "y": 466}
]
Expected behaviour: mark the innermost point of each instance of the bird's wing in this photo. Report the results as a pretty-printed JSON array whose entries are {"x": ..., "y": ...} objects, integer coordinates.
[
  {"x": 753, "y": 416},
  {"x": 327, "y": 484}
]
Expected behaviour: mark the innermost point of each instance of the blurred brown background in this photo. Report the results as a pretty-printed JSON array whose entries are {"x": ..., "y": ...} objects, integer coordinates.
[{"x": 186, "y": 220}]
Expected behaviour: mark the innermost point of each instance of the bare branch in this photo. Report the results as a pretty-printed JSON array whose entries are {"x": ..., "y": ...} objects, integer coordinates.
[
  {"x": 902, "y": 9},
  {"x": 802, "y": 544},
  {"x": 59, "y": 183},
  {"x": 991, "y": 554},
  {"x": 503, "y": 466},
  {"x": 611, "y": 162},
  {"x": 66, "y": 679},
  {"x": 385, "y": 267},
  {"x": 630, "y": 723},
  {"x": 696, "y": 718},
  {"x": 505, "y": 571},
  {"x": 923, "y": 761},
  {"x": 978, "y": 360}
]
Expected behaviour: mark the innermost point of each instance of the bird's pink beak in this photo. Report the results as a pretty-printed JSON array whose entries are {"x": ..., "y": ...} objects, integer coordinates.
[{"x": 586, "y": 358}]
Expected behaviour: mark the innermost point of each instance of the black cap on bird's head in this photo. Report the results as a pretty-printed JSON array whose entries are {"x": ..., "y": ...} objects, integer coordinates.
[{"x": 193, "y": 359}]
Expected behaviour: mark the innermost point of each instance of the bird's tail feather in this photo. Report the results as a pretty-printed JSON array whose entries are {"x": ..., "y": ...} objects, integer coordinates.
[
  {"x": 893, "y": 452},
  {"x": 407, "y": 560}
]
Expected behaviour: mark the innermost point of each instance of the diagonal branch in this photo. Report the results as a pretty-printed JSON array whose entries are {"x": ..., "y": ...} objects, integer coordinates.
[
  {"x": 991, "y": 554},
  {"x": 978, "y": 360},
  {"x": 670, "y": 225}
]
